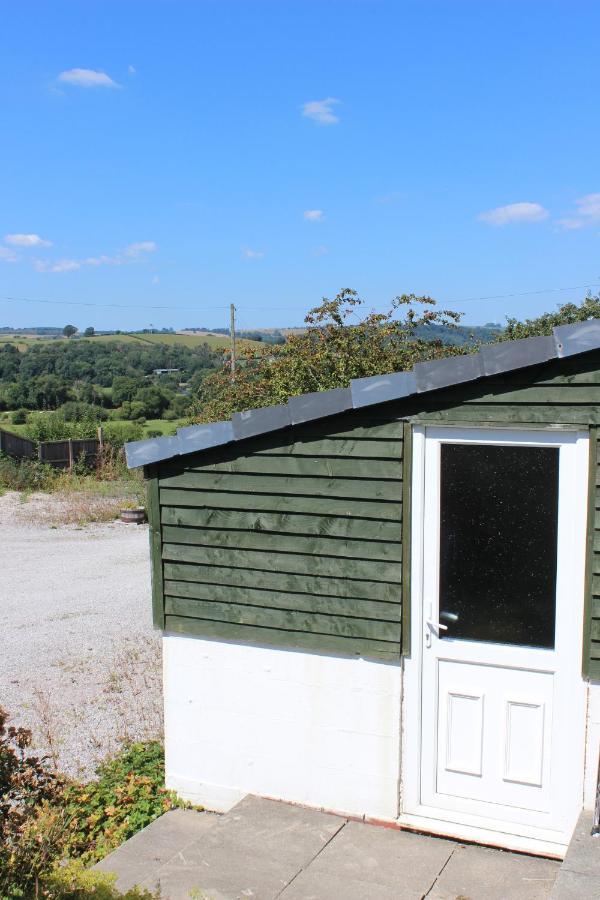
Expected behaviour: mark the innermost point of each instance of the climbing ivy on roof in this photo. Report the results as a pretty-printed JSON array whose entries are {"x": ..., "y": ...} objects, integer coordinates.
[{"x": 336, "y": 346}]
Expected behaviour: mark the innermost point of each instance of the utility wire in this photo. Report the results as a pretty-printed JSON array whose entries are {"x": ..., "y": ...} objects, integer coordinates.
[{"x": 576, "y": 287}]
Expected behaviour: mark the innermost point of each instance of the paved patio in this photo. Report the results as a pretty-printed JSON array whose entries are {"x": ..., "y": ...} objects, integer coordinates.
[{"x": 267, "y": 850}]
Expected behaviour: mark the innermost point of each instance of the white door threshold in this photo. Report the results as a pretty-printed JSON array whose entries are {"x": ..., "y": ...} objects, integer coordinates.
[{"x": 491, "y": 838}]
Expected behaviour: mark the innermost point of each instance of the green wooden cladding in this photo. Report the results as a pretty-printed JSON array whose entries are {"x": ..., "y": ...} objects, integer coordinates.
[
  {"x": 296, "y": 538},
  {"x": 291, "y": 539}
]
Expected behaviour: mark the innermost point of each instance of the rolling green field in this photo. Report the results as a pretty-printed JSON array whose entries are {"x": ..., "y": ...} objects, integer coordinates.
[
  {"x": 165, "y": 426},
  {"x": 214, "y": 341}
]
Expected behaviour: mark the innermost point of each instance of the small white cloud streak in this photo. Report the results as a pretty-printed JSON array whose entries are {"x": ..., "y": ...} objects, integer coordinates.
[
  {"x": 320, "y": 111},
  {"x": 131, "y": 70},
  {"x": 587, "y": 213},
  {"x": 314, "y": 215},
  {"x": 247, "y": 253},
  {"x": 26, "y": 240},
  {"x": 322, "y": 250},
  {"x": 131, "y": 254},
  {"x": 8, "y": 255},
  {"x": 87, "y": 78},
  {"x": 514, "y": 214}
]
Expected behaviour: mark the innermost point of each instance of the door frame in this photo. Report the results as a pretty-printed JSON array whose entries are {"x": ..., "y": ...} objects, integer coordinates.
[{"x": 412, "y": 812}]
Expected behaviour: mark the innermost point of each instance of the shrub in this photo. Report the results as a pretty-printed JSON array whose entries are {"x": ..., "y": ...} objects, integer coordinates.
[
  {"x": 127, "y": 795},
  {"x": 74, "y": 882},
  {"x": 26, "y": 475},
  {"x": 46, "y": 821},
  {"x": 19, "y": 417}
]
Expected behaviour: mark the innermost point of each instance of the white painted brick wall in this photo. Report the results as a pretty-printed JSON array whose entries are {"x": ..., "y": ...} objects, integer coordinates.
[
  {"x": 319, "y": 730},
  {"x": 592, "y": 746}
]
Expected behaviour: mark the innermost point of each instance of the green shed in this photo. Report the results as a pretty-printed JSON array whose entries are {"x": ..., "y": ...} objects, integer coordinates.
[{"x": 384, "y": 600}]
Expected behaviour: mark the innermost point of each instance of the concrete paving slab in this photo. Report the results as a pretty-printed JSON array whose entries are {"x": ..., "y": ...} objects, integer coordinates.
[
  {"x": 479, "y": 873},
  {"x": 397, "y": 863},
  {"x": 255, "y": 850},
  {"x": 579, "y": 874},
  {"x": 574, "y": 886},
  {"x": 325, "y": 886},
  {"x": 149, "y": 849}
]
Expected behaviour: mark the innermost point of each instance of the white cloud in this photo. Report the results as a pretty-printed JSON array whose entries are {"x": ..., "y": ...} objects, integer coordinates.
[
  {"x": 131, "y": 254},
  {"x": 322, "y": 250},
  {"x": 247, "y": 253},
  {"x": 26, "y": 240},
  {"x": 87, "y": 78},
  {"x": 135, "y": 250},
  {"x": 314, "y": 215},
  {"x": 587, "y": 212},
  {"x": 63, "y": 265},
  {"x": 514, "y": 213},
  {"x": 131, "y": 70},
  {"x": 320, "y": 111},
  {"x": 8, "y": 255}
]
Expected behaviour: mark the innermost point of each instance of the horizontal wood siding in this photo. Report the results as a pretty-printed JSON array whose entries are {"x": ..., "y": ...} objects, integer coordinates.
[
  {"x": 295, "y": 538},
  {"x": 296, "y": 541}
]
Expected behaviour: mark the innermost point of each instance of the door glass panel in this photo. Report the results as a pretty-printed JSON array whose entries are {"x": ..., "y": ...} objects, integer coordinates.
[{"x": 498, "y": 533}]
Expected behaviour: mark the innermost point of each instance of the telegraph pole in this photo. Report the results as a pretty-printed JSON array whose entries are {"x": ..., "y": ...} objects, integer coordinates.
[{"x": 232, "y": 333}]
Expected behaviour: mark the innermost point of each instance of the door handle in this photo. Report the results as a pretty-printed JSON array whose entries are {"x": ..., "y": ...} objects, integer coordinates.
[
  {"x": 436, "y": 626},
  {"x": 433, "y": 628}
]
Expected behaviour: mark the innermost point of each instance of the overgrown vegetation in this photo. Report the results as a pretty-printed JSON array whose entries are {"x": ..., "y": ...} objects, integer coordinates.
[
  {"x": 329, "y": 353},
  {"x": 333, "y": 349},
  {"x": 47, "y": 820}
]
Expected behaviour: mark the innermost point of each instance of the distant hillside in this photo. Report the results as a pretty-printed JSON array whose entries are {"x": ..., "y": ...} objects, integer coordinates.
[{"x": 461, "y": 335}]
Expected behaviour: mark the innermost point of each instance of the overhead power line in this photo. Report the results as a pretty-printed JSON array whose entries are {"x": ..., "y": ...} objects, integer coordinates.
[{"x": 554, "y": 290}]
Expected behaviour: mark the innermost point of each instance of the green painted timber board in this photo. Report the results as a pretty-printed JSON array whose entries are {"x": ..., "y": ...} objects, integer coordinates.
[
  {"x": 320, "y": 545},
  {"x": 240, "y": 482},
  {"x": 292, "y": 563},
  {"x": 320, "y": 505},
  {"x": 343, "y": 606},
  {"x": 283, "y": 522},
  {"x": 155, "y": 552},
  {"x": 324, "y": 643},
  {"x": 288, "y": 620},
  {"x": 284, "y": 581}
]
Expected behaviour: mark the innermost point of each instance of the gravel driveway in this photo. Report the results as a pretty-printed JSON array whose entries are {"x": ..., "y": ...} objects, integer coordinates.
[{"x": 79, "y": 661}]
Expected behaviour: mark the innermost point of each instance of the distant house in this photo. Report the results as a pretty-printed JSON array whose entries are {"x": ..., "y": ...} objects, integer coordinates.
[
  {"x": 165, "y": 371},
  {"x": 385, "y": 600}
]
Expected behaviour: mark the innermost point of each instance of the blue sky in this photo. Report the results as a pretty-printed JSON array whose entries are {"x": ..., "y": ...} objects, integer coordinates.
[{"x": 191, "y": 154}]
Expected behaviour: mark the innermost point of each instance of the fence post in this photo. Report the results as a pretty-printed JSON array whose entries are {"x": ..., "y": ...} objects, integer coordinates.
[
  {"x": 100, "y": 436},
  {"x": 41, "y": 451},
  {"x": 1, "y": 440},
  {"x": 70, "y": 454}
]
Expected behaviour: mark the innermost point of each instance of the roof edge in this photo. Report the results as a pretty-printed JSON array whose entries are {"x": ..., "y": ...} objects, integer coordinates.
[{"x": 425, "y": 377}]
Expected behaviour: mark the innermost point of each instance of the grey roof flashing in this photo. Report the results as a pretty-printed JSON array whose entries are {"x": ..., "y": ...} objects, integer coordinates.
[
  {"x": 253, "y": 422},
  {"x": 492, "y": 359},
  {"x": 382, "y": 388},
  {"x": 319, "y": 404},
  {"x": 440, "y": 373}
]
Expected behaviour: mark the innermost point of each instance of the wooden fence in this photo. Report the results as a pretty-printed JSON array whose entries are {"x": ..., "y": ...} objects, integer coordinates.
[{"x": 62, "y": 454}]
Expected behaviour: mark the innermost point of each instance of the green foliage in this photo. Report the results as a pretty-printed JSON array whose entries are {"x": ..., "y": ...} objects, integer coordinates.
[
  {"x": 127, "y": 795},
  {"x": 329, "y": 353},
  {"x": 52, "y": 426},
  {"x": 74, "y": 882},
  {"x": 78, "y": 411},
  {"x": 46, "y": 820},
  {"x": 26, "y": 475},
  {"x": 567, "y": 314},
  {"x": 118, "y": 433},
  {"x": 19, "y": 417},
  {"x": 27, "y": 788},
  {"x": 70, "y": 330},
  {"x": 89, "y": 332}
]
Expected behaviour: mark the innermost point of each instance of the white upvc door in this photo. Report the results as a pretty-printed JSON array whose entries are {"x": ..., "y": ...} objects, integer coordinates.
[{"x": 494, "y": 709}]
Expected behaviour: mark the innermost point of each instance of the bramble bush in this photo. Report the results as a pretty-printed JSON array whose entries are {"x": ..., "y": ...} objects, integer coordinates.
[{"x": 52, "y": 827}]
